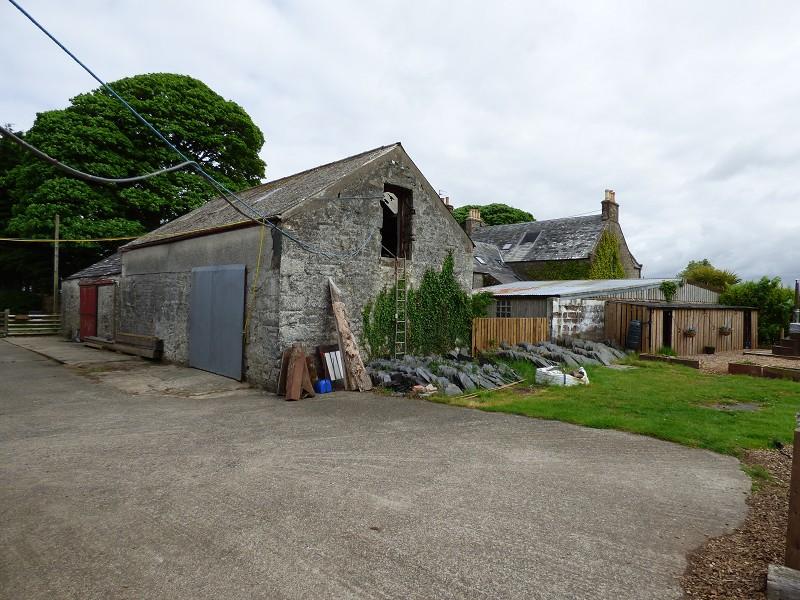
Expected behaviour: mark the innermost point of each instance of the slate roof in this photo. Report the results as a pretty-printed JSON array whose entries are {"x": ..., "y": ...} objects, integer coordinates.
[
  {"x": 488, "y": 260},
  {"x": 555, "y": 239},
  {"x": 573, "y": 287},
  {"x": 271, "y": 199},
  {"x": 110, "y": 265}
]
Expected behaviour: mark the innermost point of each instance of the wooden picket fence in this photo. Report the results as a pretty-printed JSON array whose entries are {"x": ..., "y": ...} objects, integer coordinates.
[{"x": 489, "y": 332}]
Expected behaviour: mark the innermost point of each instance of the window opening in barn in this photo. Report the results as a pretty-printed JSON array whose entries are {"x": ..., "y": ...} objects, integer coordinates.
[
  {"x": 504, "y": 308},
  {"x": 530, "y": 237},
  {"x": 396, "y": 226}
]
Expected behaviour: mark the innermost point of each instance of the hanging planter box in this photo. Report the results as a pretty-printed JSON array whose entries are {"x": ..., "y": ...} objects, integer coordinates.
[
  {"x": 725, "y": 330},
  {"x": 690, "y": 332}
]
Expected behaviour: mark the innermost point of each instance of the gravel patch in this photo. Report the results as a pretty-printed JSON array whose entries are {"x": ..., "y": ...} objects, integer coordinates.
[
  {"x": 734, "y": 566},
  {"x": 718, "y": 363}
]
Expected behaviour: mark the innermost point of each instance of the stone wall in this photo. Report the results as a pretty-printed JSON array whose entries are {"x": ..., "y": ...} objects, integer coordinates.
[
  {"x": 70, "y": 308},
  {"x": 106, "y": 296},
  {"x": 577, "y": 317},
  {"x": 154, "y": 293},
  {"x": 106, "y": 307},
  {"x": 632, "y": 270},
  {"x": 346, "y": 224},
  {"x": 290, "y": 302}
]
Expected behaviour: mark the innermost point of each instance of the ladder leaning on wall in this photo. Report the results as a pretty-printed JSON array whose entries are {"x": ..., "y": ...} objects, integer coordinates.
[{"x": 400, "y": 297}]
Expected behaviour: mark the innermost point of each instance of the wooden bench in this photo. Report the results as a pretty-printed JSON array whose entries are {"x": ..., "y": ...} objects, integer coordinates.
[{"x": 146, "y": 346}]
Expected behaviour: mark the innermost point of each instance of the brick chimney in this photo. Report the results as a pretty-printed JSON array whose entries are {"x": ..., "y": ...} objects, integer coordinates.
[
  {"x": 610, "y": 207},
  {"x": 473, "y": 221}
]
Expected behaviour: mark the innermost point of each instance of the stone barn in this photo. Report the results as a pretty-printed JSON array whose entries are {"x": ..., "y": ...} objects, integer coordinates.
[
  {"x": 228, "y": 295},
  {"x": 89, "y": 300}
]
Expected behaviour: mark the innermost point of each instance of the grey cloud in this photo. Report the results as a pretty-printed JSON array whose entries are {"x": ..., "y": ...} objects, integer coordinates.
[{"x": 687, "y": 109}]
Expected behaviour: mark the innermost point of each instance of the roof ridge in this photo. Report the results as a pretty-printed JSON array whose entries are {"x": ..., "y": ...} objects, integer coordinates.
[{"x": 322, "y": 166}]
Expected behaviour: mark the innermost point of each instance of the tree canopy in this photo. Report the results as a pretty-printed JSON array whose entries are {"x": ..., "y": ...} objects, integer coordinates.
[
  {"x": 704, "y": 274},
  {"x": 773, "y": 301},
  {"x": 98, "y": 135},
  {"x": 494, "y": 214}
]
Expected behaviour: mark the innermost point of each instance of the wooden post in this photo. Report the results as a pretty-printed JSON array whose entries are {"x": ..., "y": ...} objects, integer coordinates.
[
  {"x": 55, "y": 266},
  {"x": 6, "y": 314},
  {"x": 793, "y": 528},
  {"x": 356, "y": 376}
]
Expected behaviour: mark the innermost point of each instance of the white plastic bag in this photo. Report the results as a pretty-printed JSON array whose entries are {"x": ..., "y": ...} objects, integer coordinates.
[{"x": 554, "y": 376}]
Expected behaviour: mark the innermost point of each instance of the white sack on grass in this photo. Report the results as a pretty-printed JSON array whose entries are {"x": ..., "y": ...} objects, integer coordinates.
[{"x": 554, "y": 376}]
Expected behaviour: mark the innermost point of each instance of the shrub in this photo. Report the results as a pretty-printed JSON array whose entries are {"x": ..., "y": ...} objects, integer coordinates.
[{"x": 773, "y": 301}]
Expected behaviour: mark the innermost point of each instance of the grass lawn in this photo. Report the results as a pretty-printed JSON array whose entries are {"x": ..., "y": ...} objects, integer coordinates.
[{"x": 664, "y": 401}]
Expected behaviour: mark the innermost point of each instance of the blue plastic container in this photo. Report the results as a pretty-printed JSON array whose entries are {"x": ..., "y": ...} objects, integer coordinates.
[{"x": 323, "y": 386}]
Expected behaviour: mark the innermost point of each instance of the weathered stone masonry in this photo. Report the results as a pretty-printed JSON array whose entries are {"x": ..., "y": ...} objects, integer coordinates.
[{"x": 290, "y": 301}]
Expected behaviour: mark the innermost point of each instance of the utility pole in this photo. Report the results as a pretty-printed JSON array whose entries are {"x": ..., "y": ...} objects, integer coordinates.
[{"x": 55, "y": 266}]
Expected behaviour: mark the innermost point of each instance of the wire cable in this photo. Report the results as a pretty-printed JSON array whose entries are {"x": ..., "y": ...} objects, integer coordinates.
[
  {"x": 88, "y": 176},
  {"x": 219, "y": 187}
]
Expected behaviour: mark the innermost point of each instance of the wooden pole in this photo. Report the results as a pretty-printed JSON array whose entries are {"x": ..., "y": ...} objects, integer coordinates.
[
  {"x": 793, "y": 528},
  {"x": 55, "y": 266}
]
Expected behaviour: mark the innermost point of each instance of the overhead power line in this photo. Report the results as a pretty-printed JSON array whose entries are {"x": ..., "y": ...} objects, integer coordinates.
[
  {"x": 220, "y": 188},
  {"x": 88, "y": 176}
]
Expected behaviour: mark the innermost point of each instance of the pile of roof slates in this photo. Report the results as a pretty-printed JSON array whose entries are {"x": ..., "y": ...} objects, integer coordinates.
[
  {"x": 575, "y": 353},
  {"x": 453, "y": 374}
]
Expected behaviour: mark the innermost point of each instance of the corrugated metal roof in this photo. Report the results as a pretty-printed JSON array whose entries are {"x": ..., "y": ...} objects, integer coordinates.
[
  {"x": 270, "y": 199},
  {"x": 487, "y": 259},
  {"x": 111, "y": 265},
  {"x": 692, "y": 305},
  {"x": 572, "y": 287},
  {"x": 555, "y": 239}
]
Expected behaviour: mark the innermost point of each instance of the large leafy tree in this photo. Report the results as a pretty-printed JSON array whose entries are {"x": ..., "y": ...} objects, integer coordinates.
[
  {"x": 703, "y": 273},
  {"x": 773, "y": 301},
  {"x": 494, "y": 214},
  {"x": 98, "y": 135}
]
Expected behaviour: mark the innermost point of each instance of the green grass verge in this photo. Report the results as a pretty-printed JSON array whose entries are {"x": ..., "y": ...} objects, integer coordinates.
[{"x": 664, "y": 401}]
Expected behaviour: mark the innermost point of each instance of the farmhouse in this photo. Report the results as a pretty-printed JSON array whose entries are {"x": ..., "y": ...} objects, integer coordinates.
[
  {"x": 558, "y": 248},
  {"x": 228, "y": 295}
]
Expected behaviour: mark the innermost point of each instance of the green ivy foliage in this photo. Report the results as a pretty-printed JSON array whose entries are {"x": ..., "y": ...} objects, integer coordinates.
[
  {"x": 606, "y": 263},
  {"x": 669, "y": 289},
  {"x": 558, "y": 269},
  {"x": 439, "y": 315}
]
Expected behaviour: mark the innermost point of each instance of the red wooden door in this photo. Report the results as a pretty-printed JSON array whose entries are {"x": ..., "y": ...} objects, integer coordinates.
[{"x": 88, "y": 311}]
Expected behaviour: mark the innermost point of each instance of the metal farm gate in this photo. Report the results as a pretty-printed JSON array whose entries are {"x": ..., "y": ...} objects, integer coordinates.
[{"x": 216, "y": 319}]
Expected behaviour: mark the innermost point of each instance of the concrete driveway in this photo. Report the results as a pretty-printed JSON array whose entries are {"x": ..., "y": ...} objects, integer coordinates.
[{"x": 108, "y": 493}]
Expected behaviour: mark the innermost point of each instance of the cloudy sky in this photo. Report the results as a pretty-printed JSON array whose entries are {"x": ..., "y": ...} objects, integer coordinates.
[{"x": 689, "y": 110}]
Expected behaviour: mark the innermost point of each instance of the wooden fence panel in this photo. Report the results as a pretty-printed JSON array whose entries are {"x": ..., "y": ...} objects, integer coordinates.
[{"x": 488, "y": 332}]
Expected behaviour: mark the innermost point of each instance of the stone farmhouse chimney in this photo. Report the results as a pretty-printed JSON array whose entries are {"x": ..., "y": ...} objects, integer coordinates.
[
  {"x": 610, "y": 207},
  {"x": 473, "y": 221},
  {"x": 446, "y": 202}
]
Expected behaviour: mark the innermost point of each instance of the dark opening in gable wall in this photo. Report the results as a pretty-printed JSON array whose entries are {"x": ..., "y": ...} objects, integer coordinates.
[{"x": 396, "y": 228}]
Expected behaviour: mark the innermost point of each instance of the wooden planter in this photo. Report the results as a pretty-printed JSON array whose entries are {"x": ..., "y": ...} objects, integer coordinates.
[
  {"x": 744, "y": 369},
  {"x": 725, "y": 330},
  {"x": 690, "y": 333}
]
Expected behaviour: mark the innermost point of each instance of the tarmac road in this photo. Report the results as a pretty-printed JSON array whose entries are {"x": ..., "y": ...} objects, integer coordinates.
[{"x": 107, "y": 493}]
